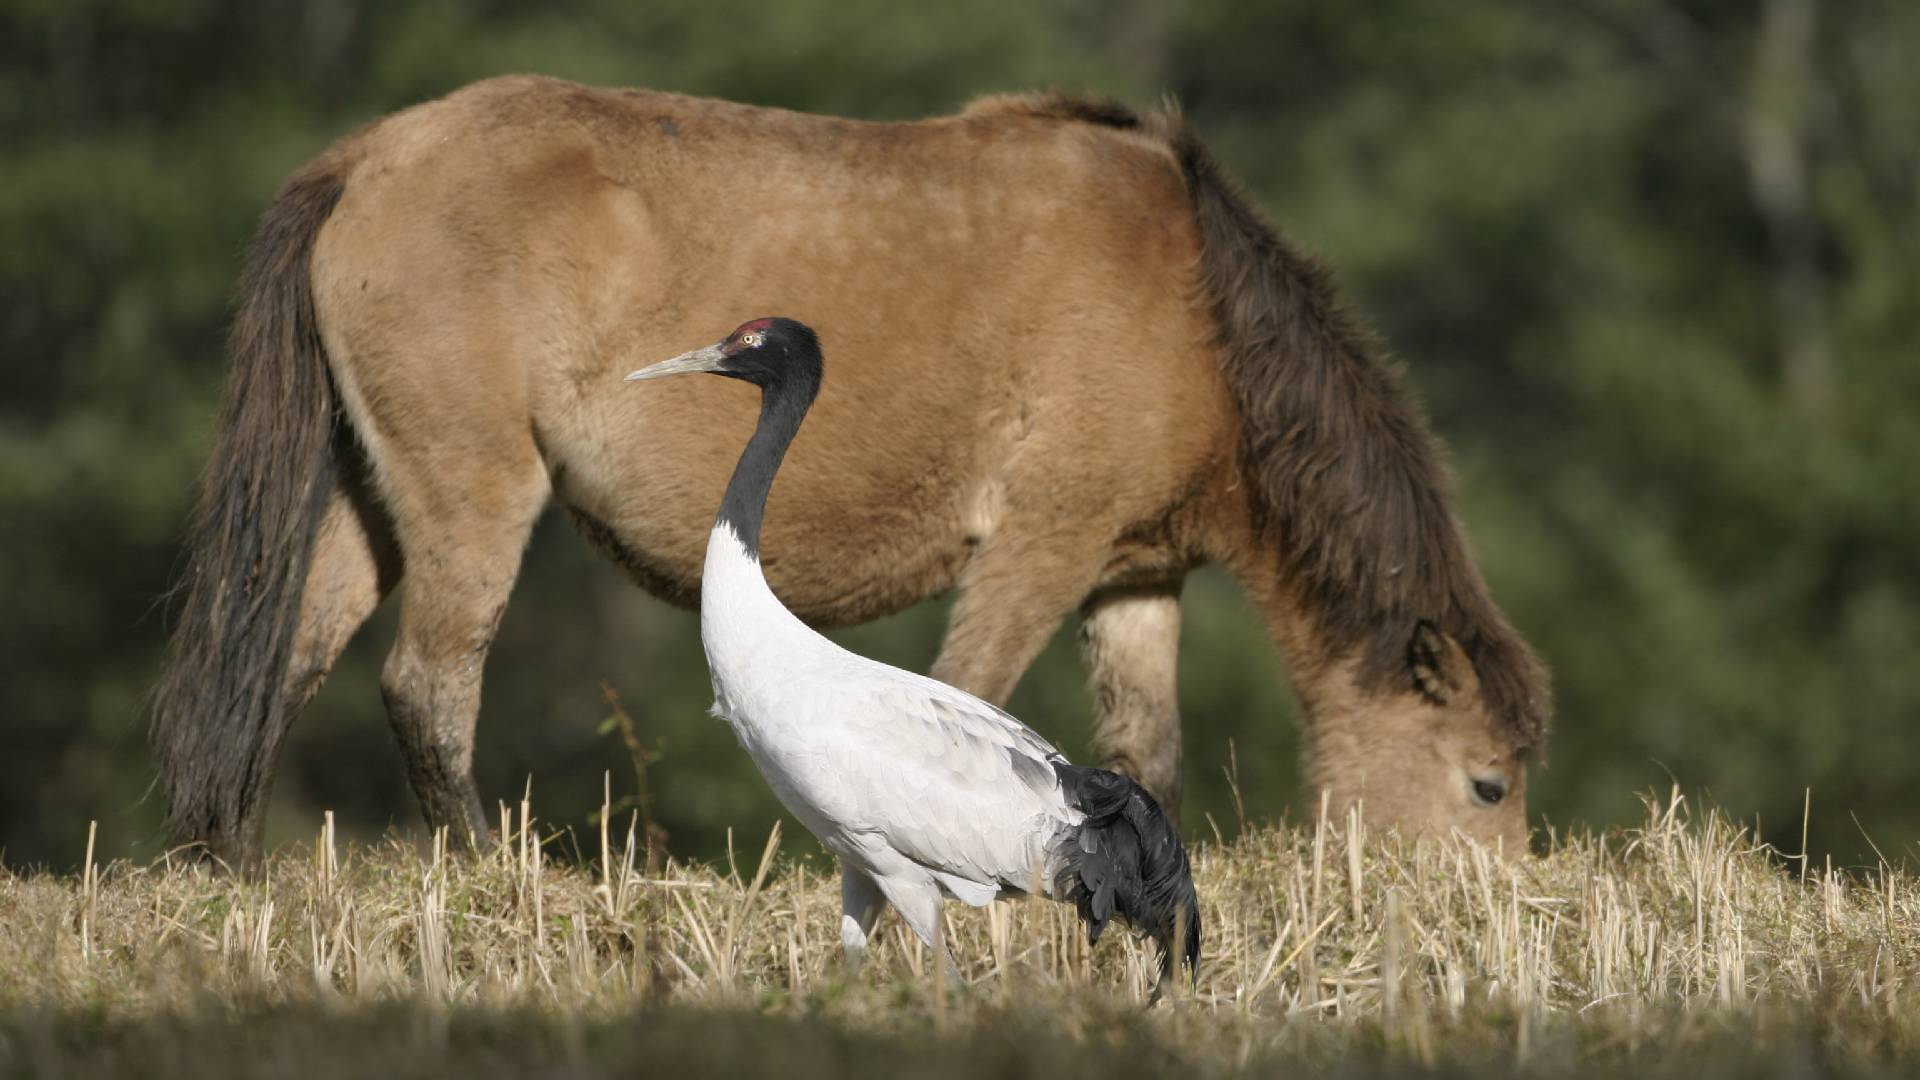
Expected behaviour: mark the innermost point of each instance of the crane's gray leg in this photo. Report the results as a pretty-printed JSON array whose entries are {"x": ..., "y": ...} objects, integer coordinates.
[
  {"x": 919, "y": 903},
  {"x": 861, "y": 902},
  {"x": 1131, "y": 641}
]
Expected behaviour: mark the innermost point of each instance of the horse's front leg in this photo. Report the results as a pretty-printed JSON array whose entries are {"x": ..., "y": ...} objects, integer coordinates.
[
  {"x": 1130, "y": 638},
  {"x": 1013, "y": 596}
]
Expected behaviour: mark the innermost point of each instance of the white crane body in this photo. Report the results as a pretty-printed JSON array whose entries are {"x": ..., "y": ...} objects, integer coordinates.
[
  {"x": 902, "y": 777},
  {"x": 920, "y": 790}
]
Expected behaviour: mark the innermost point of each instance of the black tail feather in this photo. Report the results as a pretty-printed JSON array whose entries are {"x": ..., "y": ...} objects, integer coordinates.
[{"x": 1126, "y": 859}]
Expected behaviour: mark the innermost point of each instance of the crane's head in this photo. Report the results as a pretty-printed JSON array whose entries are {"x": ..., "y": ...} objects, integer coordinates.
[{"x": 765, "y": 352}]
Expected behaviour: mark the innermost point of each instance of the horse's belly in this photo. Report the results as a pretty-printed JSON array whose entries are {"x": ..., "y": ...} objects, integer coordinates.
[{"x": 831, "y": 565}]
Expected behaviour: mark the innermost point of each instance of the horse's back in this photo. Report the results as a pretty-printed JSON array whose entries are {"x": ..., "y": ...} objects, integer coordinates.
[{"x": 995, "y": 290}]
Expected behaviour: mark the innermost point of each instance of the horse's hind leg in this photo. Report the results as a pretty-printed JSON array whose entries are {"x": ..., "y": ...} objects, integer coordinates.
[
  {"x": 1131, "y": 641},
  {"x": 462, "y": 525},
  {"x": 354, "y": 567}
]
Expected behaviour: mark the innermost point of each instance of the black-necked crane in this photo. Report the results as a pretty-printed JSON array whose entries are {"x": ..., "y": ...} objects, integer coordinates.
[{"x": 921, "y": 791}]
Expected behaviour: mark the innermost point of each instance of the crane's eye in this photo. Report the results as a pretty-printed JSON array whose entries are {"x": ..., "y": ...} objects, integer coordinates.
[{"x": 751, "y": 340}]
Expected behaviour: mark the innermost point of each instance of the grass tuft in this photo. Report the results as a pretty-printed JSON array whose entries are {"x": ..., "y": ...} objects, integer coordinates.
[{"x": 1681, "y": 946}]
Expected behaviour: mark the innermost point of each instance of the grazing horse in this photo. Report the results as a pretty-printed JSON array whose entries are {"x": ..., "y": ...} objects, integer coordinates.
[{"x": 1072, "y": 362}]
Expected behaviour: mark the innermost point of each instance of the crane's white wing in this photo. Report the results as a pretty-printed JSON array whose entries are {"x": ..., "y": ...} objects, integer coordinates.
[{"x": 937, "y": 775}]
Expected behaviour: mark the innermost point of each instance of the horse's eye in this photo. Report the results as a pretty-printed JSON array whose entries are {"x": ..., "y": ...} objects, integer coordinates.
[{"x": 1489, "y": 792}]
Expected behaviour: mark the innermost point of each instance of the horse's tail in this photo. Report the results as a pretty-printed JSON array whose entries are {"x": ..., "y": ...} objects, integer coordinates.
[
  {"x": 1126, "y": 859},
  {"x": 220, "y": 710}
]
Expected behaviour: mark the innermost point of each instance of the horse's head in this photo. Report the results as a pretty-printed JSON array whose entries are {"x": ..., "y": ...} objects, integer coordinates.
[{"x": 1422, "y": 751}]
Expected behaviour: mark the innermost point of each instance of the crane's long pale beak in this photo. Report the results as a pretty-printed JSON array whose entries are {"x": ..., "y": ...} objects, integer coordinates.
[{"x": 707, "y": 359}]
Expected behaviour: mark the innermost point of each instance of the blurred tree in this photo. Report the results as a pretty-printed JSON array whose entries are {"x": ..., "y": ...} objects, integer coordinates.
[{"x": 1653, "y": 265}]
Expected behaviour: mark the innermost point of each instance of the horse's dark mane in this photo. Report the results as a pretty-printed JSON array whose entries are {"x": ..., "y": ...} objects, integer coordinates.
[
  {"x": 1057, "y": 105},
  {"x": 1350, "y": 484}
]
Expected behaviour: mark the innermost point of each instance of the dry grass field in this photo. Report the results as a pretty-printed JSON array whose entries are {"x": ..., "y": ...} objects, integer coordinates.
[{"x": 1681, "y": 948}]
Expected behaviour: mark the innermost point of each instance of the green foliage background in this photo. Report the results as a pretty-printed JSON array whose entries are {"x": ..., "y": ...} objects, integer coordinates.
[{"x": 1652, "y": 265}]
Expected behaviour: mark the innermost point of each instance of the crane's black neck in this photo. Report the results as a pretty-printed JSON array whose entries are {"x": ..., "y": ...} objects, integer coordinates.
[{"x": 784, "y": 400}]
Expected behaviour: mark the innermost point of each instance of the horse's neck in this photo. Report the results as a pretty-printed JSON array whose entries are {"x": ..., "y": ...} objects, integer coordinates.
[{"x": 1321, "y": 677}]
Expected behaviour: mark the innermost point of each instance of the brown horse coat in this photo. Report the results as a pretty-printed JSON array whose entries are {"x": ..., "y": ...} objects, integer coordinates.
[{"x": 1068, "y": 363}]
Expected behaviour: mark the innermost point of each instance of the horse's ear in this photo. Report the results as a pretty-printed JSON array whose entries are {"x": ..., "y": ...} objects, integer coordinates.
[{"x": 1440, "y": 668}]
